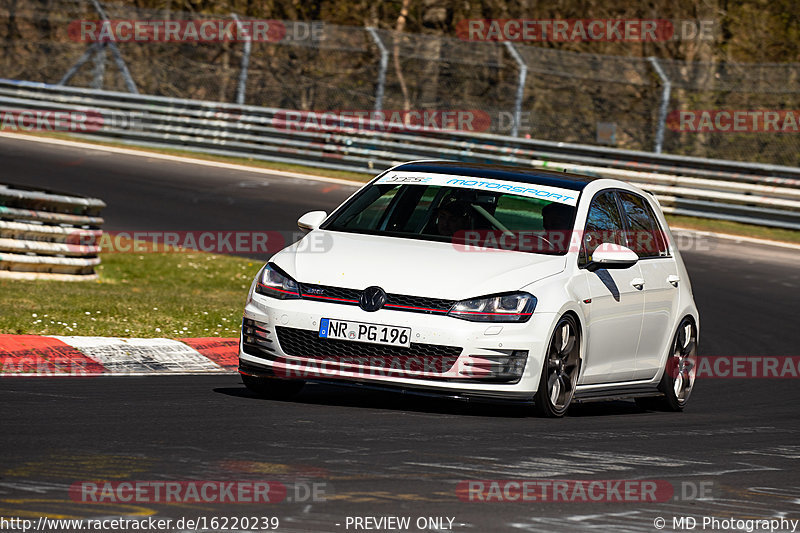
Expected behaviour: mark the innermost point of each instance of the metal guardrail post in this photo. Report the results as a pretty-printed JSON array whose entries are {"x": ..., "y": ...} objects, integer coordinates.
[
  {"x": 523, "y": 74},
  {"x": 384, "y": 63},
  {"x": 242, "y": 87},
  {"x": 662, "y": 112}
]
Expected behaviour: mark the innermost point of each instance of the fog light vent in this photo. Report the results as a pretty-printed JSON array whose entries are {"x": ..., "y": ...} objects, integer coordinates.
[{"x": 502, "y": 365}]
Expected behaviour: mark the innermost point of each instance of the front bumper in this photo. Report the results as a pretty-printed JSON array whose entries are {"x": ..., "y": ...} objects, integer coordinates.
[{"x": 448, "y": 356}]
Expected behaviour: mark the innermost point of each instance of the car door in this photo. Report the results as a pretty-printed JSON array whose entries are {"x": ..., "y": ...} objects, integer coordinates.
[
  {"x": 659, "y": 270},
  {"x": 613, "y": 300}
]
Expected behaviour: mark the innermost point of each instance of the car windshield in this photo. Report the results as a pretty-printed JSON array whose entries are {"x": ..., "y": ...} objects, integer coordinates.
[{"x": 462, "y": 216}]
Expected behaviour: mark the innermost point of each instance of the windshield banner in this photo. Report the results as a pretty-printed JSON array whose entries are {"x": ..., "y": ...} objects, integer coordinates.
[{"x": 552, "y": 194}]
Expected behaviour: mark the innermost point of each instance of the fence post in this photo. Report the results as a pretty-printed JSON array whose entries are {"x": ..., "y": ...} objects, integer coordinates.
[
  {"x": 382, "y": 71},
  {"x": 123, "y": 68},
  {"x": 523, "y": 73},
  {"x": 240, "y": 90},
  {"x": 662, "y": 112},
  {"x": 79, "y": 63},
  {"x": 99, "y": 67}
]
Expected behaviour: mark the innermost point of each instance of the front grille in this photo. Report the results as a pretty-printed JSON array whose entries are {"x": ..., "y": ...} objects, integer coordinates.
[
  {"x": 395, "y": 302},
  {"x": 307, "y": 343},
  {"x": 339, "y": 294},
  {"x": 418, "y": 304}
]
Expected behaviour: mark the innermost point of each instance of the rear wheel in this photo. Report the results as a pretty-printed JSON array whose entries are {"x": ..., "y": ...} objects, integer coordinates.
[
  {"x": 560, "y": 372},
  {"x": 276, "y": 389},
  {"x": 679, "y": 373}
]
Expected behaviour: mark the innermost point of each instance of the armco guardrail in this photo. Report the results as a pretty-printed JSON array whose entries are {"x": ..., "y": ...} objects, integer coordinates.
[
  {"x": 42, "y": 234},
  {"x": 754, "y": 193}
]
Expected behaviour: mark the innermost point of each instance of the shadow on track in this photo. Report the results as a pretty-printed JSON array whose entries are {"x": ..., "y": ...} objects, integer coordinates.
[{"x": 345, "y": 396}]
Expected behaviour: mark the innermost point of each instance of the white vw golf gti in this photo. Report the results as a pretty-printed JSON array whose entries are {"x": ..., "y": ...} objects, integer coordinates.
[{"x": 479, "y": 281}]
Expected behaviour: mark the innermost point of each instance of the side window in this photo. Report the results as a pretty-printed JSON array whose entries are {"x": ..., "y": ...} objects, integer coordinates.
[
  {"x": 645, "y": 236},
  {"x": 367, "y": 212},
  {"x": 603, "y": 224}
]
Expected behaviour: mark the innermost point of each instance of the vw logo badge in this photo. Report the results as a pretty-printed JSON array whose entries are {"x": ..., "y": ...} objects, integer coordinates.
[{"x": 372, "y": 299}]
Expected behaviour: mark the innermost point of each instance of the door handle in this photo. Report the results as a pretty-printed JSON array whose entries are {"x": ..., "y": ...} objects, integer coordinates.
[
  {"x": 637, "y": 283},
  {"x": 673, "y": 280}
]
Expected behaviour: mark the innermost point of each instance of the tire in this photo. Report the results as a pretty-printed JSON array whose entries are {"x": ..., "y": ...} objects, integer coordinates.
[
  {"x": 680, "y": 371},
  {"x": 560, "y": 370},
  {"x": 274, "y": 389}
]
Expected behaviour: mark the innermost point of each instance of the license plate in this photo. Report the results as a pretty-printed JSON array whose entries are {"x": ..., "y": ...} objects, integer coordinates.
[{"x": 362, "y": 332}]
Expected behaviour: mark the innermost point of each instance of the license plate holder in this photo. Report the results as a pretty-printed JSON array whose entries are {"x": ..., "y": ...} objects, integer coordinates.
[{"x": 347, "y": 330}]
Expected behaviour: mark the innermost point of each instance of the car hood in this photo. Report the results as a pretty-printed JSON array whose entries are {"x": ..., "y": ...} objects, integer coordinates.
[{"x": 412, "y": 267}]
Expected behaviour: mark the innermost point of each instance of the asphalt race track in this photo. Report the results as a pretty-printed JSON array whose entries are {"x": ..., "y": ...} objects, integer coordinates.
[{"x": 384, "y": 454}]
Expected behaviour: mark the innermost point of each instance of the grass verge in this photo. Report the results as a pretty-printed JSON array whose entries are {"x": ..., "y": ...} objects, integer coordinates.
[{"x": 147, "y": 295}]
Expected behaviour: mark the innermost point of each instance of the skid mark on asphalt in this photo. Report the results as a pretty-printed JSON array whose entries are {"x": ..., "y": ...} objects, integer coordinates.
[
  {"x": 31, "y": 393},
  {"x": 280, "y": 469},
  {"x": 54, "y": 508},
  {"x": 786, "y": 452},
  {"x": 563, "y": 464},
  {"x": 81, "y": 466},
  {"x": 789, "y": 496},
  {"x": 49, "y": 479},
  {"x": 37, "y": 487},
  {"x": 640, "y": 519},
  {"x": 380, "y": 496}
]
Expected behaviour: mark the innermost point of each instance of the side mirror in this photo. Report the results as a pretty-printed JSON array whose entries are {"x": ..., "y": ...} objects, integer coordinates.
[
  {"x": 311, "y": 220},
  {"x": 610, "y": 255}
]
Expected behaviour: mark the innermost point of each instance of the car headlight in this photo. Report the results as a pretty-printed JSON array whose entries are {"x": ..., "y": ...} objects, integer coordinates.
[
  {"x": 273, "y": 282},
  {"x": 510, "y": 307}
]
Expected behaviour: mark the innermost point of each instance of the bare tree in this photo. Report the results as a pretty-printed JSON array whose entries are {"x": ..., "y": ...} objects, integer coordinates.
[{"x": 399, "y": 28}]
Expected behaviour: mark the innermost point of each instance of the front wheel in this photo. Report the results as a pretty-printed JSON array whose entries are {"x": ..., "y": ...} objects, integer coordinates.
[
  {"x": 680, "y": 371},
  {"x": 560, "y": 371},
  {"x": 274, "y": 389}
]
